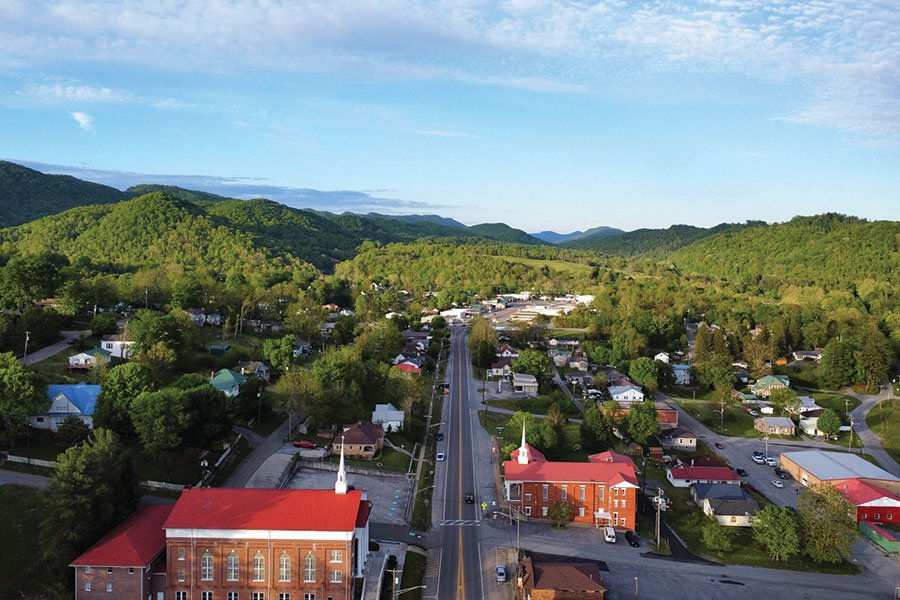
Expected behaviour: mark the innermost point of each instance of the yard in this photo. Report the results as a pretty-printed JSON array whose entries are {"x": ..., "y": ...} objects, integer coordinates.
[
  {"x": 737, "y": 422},
  {"x": 539, "y": 406},
  {"x": 884, "y": 420},
  {"x": 413, "y": 575},
  {"x": 687, "y": 519}
]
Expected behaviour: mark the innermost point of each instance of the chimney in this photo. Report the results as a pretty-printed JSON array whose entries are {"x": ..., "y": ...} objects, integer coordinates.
[{"x": 212, "y": 374}]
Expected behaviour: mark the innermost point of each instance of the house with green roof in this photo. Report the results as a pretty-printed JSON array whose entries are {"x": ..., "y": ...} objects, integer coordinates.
[
  {"x": 764, "y": 386},
  {"x": 227, "y": 381},
  {"x": 89, "y": 358}
]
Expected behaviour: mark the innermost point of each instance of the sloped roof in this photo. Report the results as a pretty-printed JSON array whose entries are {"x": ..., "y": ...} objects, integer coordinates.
[
  {"x": 134, "y": 543},
  {"x": 777, "y": 421},
  {"x": 678, "y": 432},
  {"x": 720, "y": 491},
  {"x": 267, "y": 509},
  {"x": 572, "y": 577},
  {"x": 82, "y": 395},
  {"x": 225, "y": 379},
  {"x": 862, "y": 492},
  {"x": 621, "y": 389},
  {"x": 702, "y": 473},
  {"x": 533, "y": 453},
  {"x": 608, "y": 456},
  {"x": 733, "y": 507},
  {"x": 837, "y": 465},
  {"x": 363, "y": 432},
  {"x": 98, "y": 352},
  {"x": 589, "y": 472}
]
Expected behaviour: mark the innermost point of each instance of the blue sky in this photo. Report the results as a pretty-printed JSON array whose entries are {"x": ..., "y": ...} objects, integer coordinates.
[{"x": 543, "y": 115}]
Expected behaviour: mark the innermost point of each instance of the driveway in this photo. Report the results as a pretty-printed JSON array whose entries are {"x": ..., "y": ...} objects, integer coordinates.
[
  {"x": 48, "y": 351},
  {"x": 262, "y": 451}
]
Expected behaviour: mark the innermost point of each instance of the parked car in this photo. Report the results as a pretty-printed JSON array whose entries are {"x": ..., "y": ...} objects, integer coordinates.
[
  {"x": 771, "y": 461},
  {"x": 719, "y": 445},
  {"x": 782, "y": 473},
  {"x": 440, "y": 456},
  {"x": 741, "y": 472},
  {"x": 754, "y": 413},
  {"x": 758, "y": 453},
  {"x": 633, "y": 539},
  {"x": 470, "y": 498},
  {"x": 777, "y": 483},
  {"x": 609, "y": 534},
  {"x": 760, "y": 460},
  {"x": 745, "y": 409},
  {"x": 439, "y": 436},
  {"x": 304, "y": 444},
  {"x": 501, "y": 573}
]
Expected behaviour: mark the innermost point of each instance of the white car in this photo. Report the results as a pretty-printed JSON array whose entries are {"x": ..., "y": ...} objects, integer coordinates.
[
  {"x": 777, "y": 484},
  {"x": 759, "y": 460},
  {"x": 440, "y": 456},
  {"x": 771, "y": 461}
]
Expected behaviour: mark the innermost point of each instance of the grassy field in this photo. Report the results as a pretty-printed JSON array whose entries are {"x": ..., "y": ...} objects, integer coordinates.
[
  {"x": 836, "y": 402},
  {"x": 539, "y": 406},
  {"x": 884, "y": 420},
  {"x": 21, "y": 573},
  {"x": 558, "y": 265},
  {"x": 737, "y": 422}
]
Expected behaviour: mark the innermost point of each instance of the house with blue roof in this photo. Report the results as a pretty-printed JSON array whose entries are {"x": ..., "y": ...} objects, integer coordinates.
[{"x": 68, "y": 400}]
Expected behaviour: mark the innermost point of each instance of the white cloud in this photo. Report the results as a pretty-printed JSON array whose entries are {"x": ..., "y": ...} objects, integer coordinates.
[
  {"x": 835, "y": 53},
  {"x": 74, "y": 93},
  {"x": 84, "y": 120}
]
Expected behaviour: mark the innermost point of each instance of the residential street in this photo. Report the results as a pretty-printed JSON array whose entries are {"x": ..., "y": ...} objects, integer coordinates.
[
  {"x": 48, "y": 351},
  {"x": 262, "y": 450}
]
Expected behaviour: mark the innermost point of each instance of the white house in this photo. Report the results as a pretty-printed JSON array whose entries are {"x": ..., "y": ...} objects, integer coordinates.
[
  {"x": 301, "y": 347},
  {"x": 688, "y": 476},
  {"x": 626, "y": 394},
  {"x": 662, "y": 357},
  {"x": 89, "y": 358},
  {"x": 678, "y": 439},
  {"x": 119, "y": 345},
  {"x": 501, "y": 368},
  {"x": 254, "y": 367},
  {"x": 579, "y": 364},
  {"x": 507, "y": 351},
  {"x": 682, "y": 374},
  {"x": 810, "y": 426},
  {"x": 65, "y": 401},
  {"x": 524, "y": 383},
  {"x": 388, "y": 417}
]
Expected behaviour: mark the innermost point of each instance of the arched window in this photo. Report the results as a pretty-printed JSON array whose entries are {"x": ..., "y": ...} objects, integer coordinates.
[
  {"x": 206, "y": 566},
  {"x": 259, "y": 567},
  {"x": 284, "y": 567},
  {"x": 232, "y": 571},
  {"x": 309, "y": 568}
]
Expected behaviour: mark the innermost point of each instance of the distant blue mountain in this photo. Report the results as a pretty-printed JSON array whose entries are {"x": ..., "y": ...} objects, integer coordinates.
[{"x": 552, "y": 237}]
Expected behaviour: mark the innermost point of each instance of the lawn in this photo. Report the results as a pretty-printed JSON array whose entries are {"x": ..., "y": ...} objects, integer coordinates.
[
  {"x": 884, "y": 420},
  {"x": 539, "y": 406},
  {"x": 737, "y": 422},
  {"x": 21, "y": 571},
  {"x": 55, "y": 369},
  {"x": 687, "y": 519},
  {"x": 836, "y": 402},
  {"x": 413, "y": 575},
  {"x": 421, "y": 516}
]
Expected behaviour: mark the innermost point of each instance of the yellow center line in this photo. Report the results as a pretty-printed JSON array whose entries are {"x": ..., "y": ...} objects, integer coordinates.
[{"x": 460, "y": 579}]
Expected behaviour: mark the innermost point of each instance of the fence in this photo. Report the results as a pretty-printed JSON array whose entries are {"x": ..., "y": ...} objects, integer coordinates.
[
  {"x": 37, "y": 462},
  {"x": 885, "y": 539}
]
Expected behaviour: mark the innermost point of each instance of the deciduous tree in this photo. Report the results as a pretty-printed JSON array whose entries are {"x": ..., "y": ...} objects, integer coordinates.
[
  {"x": 645, "y": 372},
  {"x": 561, "y": 512},
  {"x": 18, "y": 396},
  {"x": 829, "y": 422},
  {"x": 534, "y": 363},
  {"x": 641, "y": 422},
  {"x": 775, "y": 527},
  {"x": 716, "y": 536},
  {"x": 122, "y": 384},
  {"x": 826, "y": 529}
]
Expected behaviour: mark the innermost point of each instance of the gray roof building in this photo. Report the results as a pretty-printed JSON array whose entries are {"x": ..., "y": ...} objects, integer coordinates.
[{"x": 837, "y": 465}]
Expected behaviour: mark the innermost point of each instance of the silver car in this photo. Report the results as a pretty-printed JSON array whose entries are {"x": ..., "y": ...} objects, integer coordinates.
[{"x": 501, "y": 573}]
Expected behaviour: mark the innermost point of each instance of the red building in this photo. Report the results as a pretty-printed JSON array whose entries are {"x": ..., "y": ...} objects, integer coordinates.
[
  {"x": 235, "y": 544},
  {"x": 122, "y": 564},
  {"x": 600, "y": 492},
  {"x": 873, "y": 503}
]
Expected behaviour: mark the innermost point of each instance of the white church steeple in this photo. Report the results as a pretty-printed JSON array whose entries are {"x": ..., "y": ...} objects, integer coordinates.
[
  {"x": 523, "y": 458},
  {"x": 340, "y": 486}
]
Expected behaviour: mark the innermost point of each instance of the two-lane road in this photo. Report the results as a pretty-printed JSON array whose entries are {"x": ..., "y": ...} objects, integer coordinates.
[{"x": 460, "y": 575}]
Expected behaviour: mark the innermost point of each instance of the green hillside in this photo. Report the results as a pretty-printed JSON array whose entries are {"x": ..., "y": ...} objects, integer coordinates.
[
  {"x": 502, "y": 232},
  {"x": 652, "y": 242},
  {"x": 829, "y": 249},
  {"x": 26, "y": 194},
  {"x": 189, "y": 195}
]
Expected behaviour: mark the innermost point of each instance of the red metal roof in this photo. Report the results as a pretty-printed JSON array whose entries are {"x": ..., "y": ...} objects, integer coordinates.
[
  {"x": 860, "y": 492},
  {"x": 539, "y": 471},
  {"x": 277, "y": 510},
  {"x": 134, "y": 543},
  {"x": 704, "y": 473},
  {"x": 533, "y": 453}
]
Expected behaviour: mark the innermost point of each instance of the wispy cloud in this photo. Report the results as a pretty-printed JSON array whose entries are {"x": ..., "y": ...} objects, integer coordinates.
[
  {"x": 84, "y": 120},
  {"x": 74, "y": 93},
  {"x": 246, "y": 188},
  {"x": 837, "y": 53}
]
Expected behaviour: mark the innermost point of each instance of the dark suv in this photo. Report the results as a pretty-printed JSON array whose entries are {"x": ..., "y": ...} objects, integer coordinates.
[
  {"x": 633, "y": 539},
  {"x": 470, "y": 498}
]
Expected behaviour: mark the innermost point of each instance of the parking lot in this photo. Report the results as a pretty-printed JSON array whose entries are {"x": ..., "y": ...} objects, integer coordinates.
[{"x": 388, "y": 492}]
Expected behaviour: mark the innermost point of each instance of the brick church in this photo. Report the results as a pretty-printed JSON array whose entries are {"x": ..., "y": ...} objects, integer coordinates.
[{"x": 234, "y": 544}]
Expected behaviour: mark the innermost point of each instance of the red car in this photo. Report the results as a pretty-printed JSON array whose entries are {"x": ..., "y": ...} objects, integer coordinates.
[{"x": 304, "y": 444}]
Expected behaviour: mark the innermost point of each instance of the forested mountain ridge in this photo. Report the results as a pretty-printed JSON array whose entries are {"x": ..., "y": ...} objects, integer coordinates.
[
  {"x": 553, "y": 237},
  {"x": 26, "y": 194},
  {"x": 651, "y": 242},
  {"x": 830, "y": 249},
  {"x": 502, "y": 232}
]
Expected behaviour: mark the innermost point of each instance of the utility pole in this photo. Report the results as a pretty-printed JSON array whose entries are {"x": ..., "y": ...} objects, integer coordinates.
[
  {"x": 722, "y": 414},
  {"x": 658, "y": 504},
  {"x": 850, "y": 443},
  {"x": 27, "y": 338},
  {"x": 766, "y": 438}
]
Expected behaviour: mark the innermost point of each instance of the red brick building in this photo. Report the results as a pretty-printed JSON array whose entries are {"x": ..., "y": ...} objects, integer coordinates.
[
  {"x": 122, "y": 564},
  {"x": 235, "y": 544},
  {"x": 873, "y": 503},
  {"x": 600, "y": 492}
]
